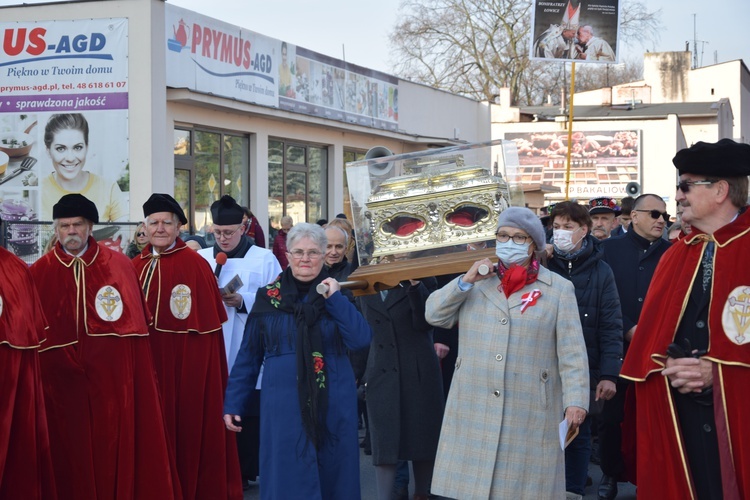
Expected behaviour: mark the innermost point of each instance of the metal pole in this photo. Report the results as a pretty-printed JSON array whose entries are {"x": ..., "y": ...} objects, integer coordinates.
[{"x": 570, "y": 128}]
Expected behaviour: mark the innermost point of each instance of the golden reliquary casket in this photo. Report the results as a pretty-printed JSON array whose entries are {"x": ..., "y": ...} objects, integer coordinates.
[{"x": 427, "y": 203}]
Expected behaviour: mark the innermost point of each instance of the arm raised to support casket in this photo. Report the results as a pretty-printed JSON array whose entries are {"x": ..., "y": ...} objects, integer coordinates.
[{"x": 366, "y": 280}]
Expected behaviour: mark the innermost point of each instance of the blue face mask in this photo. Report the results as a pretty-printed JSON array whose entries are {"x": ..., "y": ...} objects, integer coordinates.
[{"x": 511, "y": 253}]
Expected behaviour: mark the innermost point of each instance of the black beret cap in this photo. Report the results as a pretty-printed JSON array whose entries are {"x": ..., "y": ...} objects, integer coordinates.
[
  {"x": 725, "y": 158},
  {"x": 162, "y": 202},
  {"x": 75, "y": 205},
  {"x": 226, "y": 212},
  {"x": 603, "y": 205}
]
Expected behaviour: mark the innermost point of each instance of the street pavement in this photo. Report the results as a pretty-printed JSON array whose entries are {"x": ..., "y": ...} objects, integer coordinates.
[{"x": 626, "y": 491}]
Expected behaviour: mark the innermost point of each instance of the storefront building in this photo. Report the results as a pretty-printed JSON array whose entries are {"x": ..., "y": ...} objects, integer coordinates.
[
  {"x": 173, "y": 101},
  {"x": 181, "y": 103}
]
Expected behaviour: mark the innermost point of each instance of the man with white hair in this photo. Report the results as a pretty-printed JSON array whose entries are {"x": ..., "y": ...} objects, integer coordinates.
[
  {"x": 188, "y": 346},
  {"x": 105, "y": 419},
  {"x": 593, "y": 48}
]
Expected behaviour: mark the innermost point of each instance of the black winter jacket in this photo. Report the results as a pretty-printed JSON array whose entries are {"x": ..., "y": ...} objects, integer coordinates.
[
  {"x": 633, "y": 260},
  {"x": 598, "y": 307}
]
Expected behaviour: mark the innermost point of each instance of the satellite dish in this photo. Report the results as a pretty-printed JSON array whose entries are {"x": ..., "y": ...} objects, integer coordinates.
[
  {"x": 633, "y": 189},
  {"x": 379, "y": 169}
]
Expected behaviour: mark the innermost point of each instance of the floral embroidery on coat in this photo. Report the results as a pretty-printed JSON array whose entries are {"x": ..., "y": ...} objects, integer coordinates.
[
  {"x": 274, "y": 293},
  {"x": 319, "y": 368}
]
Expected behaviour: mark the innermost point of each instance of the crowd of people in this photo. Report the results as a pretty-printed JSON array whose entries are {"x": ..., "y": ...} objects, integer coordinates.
[{"x": 187, "y": 374}]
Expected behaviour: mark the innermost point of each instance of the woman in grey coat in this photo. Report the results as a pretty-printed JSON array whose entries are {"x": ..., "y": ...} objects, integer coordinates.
[
  {"x": 521, "y": 369},
  {"x": 404, "y": 385}
]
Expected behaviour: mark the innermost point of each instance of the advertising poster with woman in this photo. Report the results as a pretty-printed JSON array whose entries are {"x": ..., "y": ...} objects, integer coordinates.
[{"x": 63, "y": 121}]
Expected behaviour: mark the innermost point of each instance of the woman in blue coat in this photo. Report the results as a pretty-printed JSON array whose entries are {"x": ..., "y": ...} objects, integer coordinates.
[{"x": 309, "y": 447}]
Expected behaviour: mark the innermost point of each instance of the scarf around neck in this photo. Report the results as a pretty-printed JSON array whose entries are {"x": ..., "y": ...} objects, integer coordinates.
[
  {"x": 515, "y": 277},
  {"x": 283, "y": 297},
  {"x": 239, "y": 251}
]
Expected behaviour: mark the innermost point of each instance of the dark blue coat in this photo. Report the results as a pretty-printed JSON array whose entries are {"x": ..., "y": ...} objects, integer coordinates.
[
  {"x": 633, "y": 260},
  {"x": 289, "y": 464},
  {"x": 598, "y": 307}
]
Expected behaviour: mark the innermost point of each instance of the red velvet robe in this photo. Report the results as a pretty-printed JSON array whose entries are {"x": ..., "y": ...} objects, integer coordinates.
[
  {"x": 188, "y": 346},
  {"x": 663, "y": 470},
  {"x": 107, "y": 428},
  {"x": 25, "y": 460}
]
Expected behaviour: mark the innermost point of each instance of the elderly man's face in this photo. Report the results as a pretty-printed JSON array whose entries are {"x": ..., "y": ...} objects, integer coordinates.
[
  {"x": 602, "y": 225},
  {"x": 584, "y": 35},
  {"x": 699, "y": 202},
  {"x": 569, "y": 34},
  {"x": 72, "y": 233},
  {"x": 336, "y": 248},
  {"x": 162, "y": 229}
]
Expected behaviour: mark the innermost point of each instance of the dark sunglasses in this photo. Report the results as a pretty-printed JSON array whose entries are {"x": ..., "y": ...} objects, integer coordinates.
[
  {"x": 655, "y": 214},
  {"x": 685, "y": 186},
  {"x": 140, "y": 234}
]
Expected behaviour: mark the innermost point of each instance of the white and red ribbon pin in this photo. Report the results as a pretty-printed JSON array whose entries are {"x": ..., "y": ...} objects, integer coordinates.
[{"x": 529, "y": 299}]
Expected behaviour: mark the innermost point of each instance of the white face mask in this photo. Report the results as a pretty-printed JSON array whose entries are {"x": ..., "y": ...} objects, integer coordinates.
[
  {"x": 511, "y": 253},
  {"x": 563, "y": 239}
]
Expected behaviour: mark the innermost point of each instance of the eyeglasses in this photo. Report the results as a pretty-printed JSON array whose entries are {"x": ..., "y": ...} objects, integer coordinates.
[
  {"x": 310, "y": 254},
  {"x": 140, "y": 234},
  {"x": 685, "y": 186},
  {"x": 518, "y": 239},
  {"x": 226, "y": 234},
  {"x": 655, "y": 214}
]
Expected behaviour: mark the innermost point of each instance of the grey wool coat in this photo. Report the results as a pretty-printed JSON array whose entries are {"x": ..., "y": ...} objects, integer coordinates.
[
  {"x": 405, "y": 396},
  {"x": 516, "y": 373}
]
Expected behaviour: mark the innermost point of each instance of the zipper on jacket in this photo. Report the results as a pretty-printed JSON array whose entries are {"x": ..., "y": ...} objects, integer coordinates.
[{"x": 570, "y": 267}]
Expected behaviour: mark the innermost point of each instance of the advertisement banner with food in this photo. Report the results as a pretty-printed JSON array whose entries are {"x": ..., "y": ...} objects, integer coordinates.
[
  {"x": 63, "y": 121},
  {"x": 602, "y": 162},
  {"x": 318, "y": 85}
]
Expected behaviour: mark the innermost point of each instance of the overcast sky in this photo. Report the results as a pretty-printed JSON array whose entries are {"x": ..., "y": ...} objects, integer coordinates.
[
  {"x": 358, "y": 30},
  {"x": 363, "y": 27}
]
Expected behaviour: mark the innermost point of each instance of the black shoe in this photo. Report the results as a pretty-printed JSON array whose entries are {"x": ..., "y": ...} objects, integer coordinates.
[{"x": 608, "y": 488}]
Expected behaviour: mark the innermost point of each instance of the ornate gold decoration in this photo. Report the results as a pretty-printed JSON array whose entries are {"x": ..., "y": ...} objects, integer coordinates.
[
  {"x": 109, "y": 305},
  {"x": 180, "y": 301},
  {"x": 429, "y": 208},
  {"x": 736, "y": 315}
]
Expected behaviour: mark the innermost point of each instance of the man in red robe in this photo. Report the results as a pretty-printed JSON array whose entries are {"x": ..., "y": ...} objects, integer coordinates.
[
  {"x": 106, "y": 426},
  {"x": 188, "y": 346},
  {"x": 690, "y": 357},
  {"x": 25, "y": 461}
]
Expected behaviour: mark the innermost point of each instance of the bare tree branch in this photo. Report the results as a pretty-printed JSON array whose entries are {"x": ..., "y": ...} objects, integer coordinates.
[{"x": 475, "y": 47}]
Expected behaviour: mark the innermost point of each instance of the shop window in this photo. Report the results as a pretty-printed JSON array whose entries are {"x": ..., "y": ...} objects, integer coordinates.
[
  {"x": 297, "y": 180},
  {"x": 208, "y": 165}
]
